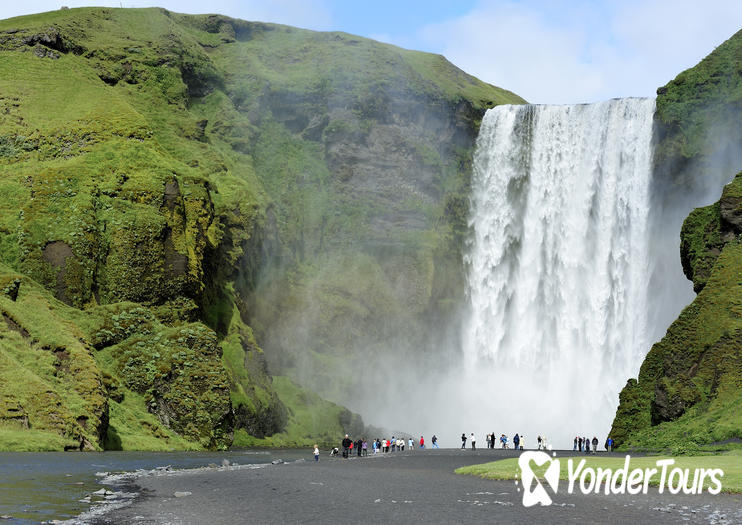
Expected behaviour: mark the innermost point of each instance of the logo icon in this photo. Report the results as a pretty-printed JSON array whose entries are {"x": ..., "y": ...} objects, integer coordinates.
[{"x": 535, "y": 493}]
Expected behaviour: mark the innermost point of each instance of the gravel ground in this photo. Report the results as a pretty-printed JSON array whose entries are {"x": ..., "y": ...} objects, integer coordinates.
[{"x": 403, "y": 487}]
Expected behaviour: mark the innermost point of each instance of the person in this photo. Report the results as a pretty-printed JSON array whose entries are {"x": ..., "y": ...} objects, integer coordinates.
[
  {"x": 595, "y": 444},
  {"x": 587, "y": 445},
  {"x": 574, "y": 447},
  {"x": 350, "y": 451},
  {"x": 522, "y": 441},
  {"x": 516, "y": 441},
  {"x": 434, "y": 440},
  {"x": 539, "y": 442},
  {"x": 473, "y": 442},
  {"x": 494, "y": 440},
  {"x": 316, "y": 453},
  {"x": 411, "y": 444},
  {"x": 579, "y": 446},
  {"x": 463, "y": 440},
  {"x": 422, "y": 442},
  {"x": 346, "y": 445},
  {"x": 504, "y": 441},
  {"x": 487, "y": 440},
  {"x": 609, "y": 442},
  {"x": 359, "y": 447},
  {"x": 394, "y": 444}
]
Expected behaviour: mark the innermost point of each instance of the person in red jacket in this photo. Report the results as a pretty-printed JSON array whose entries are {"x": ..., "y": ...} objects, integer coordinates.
[{"x": 422, "y": 442}]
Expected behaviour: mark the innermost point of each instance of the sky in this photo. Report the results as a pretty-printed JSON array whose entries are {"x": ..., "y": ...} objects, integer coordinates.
[{"x": 547, "y": 51}]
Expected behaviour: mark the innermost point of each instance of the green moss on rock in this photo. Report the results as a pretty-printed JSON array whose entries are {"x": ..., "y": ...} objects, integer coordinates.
[{"x": 695, "y": 368}]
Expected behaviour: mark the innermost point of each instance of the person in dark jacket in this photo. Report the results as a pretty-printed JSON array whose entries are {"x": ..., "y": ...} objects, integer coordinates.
[
  {"x": 346, "y": 445},
  {"x": 463, "y": 440},
  {"x": 516, "y": 441},
  {"x": 595, "y": 444}
]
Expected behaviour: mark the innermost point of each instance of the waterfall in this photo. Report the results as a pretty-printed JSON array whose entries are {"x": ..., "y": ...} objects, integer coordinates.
[{"x": 558, "y": 265}]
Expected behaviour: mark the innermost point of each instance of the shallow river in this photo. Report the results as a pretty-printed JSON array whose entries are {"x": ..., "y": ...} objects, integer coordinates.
[{"x": 37, "y": 487}]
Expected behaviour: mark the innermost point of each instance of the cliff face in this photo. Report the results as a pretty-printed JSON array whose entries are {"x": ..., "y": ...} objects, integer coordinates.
[
  {"x": 182, "y": 192},
  {"x": 367, "y": 162},
  {"x": 689, "y": 390}
]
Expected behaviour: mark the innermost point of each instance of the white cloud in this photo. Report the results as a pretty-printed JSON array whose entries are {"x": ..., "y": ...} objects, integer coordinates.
[{"x": 585, "y": 52}]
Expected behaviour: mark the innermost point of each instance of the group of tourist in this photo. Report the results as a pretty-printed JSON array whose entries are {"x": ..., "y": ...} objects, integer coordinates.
[
  {"x": 492, "y": 439},
  {"x": 583, "y": 444},
  {"x": 360, "y": 447}
]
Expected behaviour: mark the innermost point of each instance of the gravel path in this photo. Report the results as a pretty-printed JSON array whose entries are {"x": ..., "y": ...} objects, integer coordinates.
[{"x": 404, "y": 487}]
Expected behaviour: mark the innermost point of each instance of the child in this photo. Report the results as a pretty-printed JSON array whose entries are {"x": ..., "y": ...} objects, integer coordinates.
[{"x": 316, "y": 452}]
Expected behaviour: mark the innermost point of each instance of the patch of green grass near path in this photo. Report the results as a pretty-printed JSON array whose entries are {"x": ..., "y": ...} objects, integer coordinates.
[{"x": 730, "y": 463}]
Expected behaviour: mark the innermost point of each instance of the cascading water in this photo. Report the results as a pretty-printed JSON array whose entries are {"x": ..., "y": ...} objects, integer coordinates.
[{"x": 558, "y": 265}]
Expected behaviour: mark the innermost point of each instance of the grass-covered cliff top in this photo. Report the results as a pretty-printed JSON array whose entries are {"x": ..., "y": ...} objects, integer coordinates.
[{"x": 697, "y": 102}]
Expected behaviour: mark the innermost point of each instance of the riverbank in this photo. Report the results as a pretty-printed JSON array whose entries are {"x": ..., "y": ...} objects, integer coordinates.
[
  {"x": 38, "y": 487},
  {"x": 406, "y": 487}
]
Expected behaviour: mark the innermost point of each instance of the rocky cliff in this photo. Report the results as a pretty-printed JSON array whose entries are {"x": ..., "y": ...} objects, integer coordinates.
[
  {"x": 186, "y": 200},
  {"x": 689, "y": 390}
]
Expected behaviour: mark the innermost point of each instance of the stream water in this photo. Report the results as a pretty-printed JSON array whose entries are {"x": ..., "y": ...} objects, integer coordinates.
[{"x": 48, "y": 486}]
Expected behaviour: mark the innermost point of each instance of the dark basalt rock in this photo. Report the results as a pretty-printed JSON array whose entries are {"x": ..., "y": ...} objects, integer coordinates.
[
  {"x": 673, "y": 398},
  {"x": 731, "y": 211},
  {"x": 52, "y": 38}
]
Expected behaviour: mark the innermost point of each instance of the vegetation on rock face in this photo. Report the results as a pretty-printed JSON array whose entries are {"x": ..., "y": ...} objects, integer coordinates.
[
  {"x": 689, "y": 391},
  {"x": 697, "y": 120},
  {"x": 186, "y": 187}
]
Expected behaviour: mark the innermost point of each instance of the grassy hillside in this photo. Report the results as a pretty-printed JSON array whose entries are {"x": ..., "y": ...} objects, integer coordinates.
[
  {"x": 178, "y": 193},
  {"x": 689, "y": 391}
]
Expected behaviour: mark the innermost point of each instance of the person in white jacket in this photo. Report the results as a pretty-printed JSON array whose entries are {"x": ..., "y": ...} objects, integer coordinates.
[{"x": 473, "y": 442}]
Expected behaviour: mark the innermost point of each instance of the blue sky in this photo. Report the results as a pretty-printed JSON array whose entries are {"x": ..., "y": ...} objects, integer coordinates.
[{"x": 546, "y": 51}]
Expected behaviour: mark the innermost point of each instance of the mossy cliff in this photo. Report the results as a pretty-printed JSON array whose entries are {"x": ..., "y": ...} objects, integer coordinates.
[
  {"x": 178, "y": 193},
  {"x": 689, "y": 390}
]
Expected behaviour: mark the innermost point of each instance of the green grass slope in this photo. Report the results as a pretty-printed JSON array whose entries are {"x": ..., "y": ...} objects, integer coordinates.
[{"x": 186, "y": 189}]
